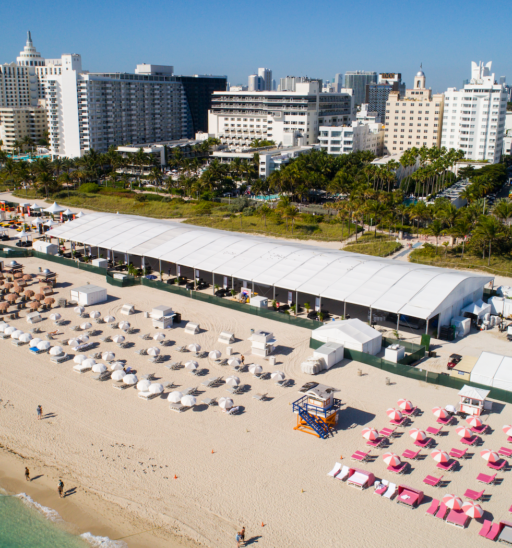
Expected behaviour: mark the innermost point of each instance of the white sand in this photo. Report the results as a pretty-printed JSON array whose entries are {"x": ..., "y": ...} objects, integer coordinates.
[{"x": 127, "y": 450}]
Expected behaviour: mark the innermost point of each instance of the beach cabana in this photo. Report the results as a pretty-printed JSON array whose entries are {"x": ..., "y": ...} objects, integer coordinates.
[
  {"x": 352, "y": 334},
  {"x": 473, "y": 400},
  {"x": 409, "y": 496},
  {"x": 360, "y": 478}
]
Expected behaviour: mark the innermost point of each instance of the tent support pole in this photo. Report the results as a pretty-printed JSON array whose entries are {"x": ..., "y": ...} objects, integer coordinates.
[
  {"x": 213, "y": 283},
  {"x": 296, "y": 303},
  {"x": 253, "y": 288},
  {"x": 159, "y": 266},
  {"x": 426, "y": 328},
  {"x": 371, "y": 316},
  {"x": 273, "y": 292},
  {"x": 345, "y": 310},
  {"x": 397, "y": 322},
  {"x": 438, "y": 325}
]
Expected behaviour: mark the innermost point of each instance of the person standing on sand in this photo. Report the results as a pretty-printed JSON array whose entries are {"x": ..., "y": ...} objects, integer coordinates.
[
  {"x": 27, "y": 474},
  {"x": 238, "y": 540},
  {"x": 242, "y": 359},
  {"x": 39, "y": 412},
  {"x": 242, "y": 535},
  {"x": 61, "y": 489}
]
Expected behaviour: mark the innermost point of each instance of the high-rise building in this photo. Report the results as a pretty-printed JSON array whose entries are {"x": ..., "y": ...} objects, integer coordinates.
[
  {"x": 288, "y": 118},
  {"x": 289, "y": 83},
  {"x": 357, "y": 81},
  {"x": 338, "y": 82},
  {"x": 265, "y": 76},
  {"x": 503, "y": 79},
  {"x": 377, "y": 93},
  {"x": 253, "y": 82},
  {"x": 18, "y": 123},
  {"x": 414, "y": 119},
  {"x": 474, "y": 117}
]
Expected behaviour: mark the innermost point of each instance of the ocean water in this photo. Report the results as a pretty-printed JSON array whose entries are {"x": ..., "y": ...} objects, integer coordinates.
[{"x": 26, "y": 524}]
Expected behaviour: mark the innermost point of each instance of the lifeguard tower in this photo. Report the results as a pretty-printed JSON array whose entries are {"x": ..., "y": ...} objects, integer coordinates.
[{"x": 317, "y": 410}]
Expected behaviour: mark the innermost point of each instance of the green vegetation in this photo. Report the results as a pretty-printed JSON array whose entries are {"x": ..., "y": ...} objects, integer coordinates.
[
  {"x": 257, "y": 143},
  {"x": 377, "y": 245}
]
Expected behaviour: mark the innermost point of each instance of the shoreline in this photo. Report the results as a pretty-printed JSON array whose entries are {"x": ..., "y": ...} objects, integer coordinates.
[{"x": 82, "y": 511}]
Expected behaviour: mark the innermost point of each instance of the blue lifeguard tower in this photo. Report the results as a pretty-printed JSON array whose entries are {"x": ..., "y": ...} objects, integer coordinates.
[{"x": 317, "y": 410}]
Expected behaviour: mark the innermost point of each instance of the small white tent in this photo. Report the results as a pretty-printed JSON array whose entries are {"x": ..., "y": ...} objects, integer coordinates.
[
  {"x": 353, "y": 334},
  {"x": 478, "y": 308},
  {"x": 54, "y": 208}
]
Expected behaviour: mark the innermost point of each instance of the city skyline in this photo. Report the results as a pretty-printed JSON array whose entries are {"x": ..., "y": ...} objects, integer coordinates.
[{"x": 112, "y": 39}]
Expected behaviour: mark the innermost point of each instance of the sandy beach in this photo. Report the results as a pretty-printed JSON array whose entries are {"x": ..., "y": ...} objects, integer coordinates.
[{"x": 122, "y": 453}]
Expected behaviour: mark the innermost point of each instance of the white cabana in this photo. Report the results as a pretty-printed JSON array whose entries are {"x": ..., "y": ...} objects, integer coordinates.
[
  {"x": 54, "y": 208},
  {"x": 352, "y": 334}
]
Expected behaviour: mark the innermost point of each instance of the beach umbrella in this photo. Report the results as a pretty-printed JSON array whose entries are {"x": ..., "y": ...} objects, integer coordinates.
[
  {"x": 10, "y": 330},
  {"x": 232, "y": 381},
  {"x": 489, "y": 456},
  {"x": 394, "y": 414},
  {"x": 130, "y": 379},
  {"x": 83, "y": 338},
  {"x": 214, "y": 354},
  {"x": 27, "y": 277},
  {"x": 158, "y": 337},
  {"x": 225, "y": 403},
  {"x": 95, "y": 315},
  {"x": 25, "y": 338},
  {"x": 405, "y": 405},
  {"x": 55, "y": 317},
  {"x": 116, "y": 366},
  {"x": 89, "y": 362},
  {"x": 109, "y": 319},
  {"x": 463, "y": 432},
  {"x": 79, "y": 309},
  {"x": 153, "y": 351},
  {"x": 191, "y": 365},
  {"x": 11, "y": 298},
  {"x": 79, "y": 358},
  {"x": 73, "y": 342},
  {"x": 474, "y": 422},
  {"x": 3, "y": 325},
  {"x": 277, "y": 376},
  {"x": 472, "y": 509},
  {"x": 370, "y": 434},
  {"x": 35, "y": 342},
  {"x": 235, "y": 362},
  {"x": 118, "y": 375},
  {"x": 56, "y": 350},
  {"x": 417, "y": 434},
  {"x": 440, "y": 456},
  {"x": 142, "y": 386},
  {"x": 17, "y": 275},
  {"x": 8, "y": 285},
  {"x": 86, "y": 325},
  {"x": 194, "y": 347},
  {"x": 99, "y": 368},
  {"x": 451, "y": 409},
  {"x": 118, "y": 339},
  {"x": 508, "y": 430},
  {"x": 49, "y": 301},
  {"x": 391, "y": 459},
  {"x": 17, "y": 334},
  {"x": 4, "y": 307},
  {"x": 39, "y": 297},
  {"x": 440, "y": 413},
  {"x": 156, "y": 388},
  {"x": 175, "y": 397},
  {"x": 124, "y": 326},
  {"x": 453, "y": 502},
  {"x": 34, "y": 305},
  {"x": 255, "y": 369},
  {"x": 28, "y": 293},
  {"x": 108, "y": 356},
  {"x": 188, "y": 401},
  {"x": 44, "y": 345}
]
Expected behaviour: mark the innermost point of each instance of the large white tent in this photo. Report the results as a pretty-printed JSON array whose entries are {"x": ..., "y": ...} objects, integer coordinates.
[
  {"x": 353, "y": 334},
  {"x": 493, "y": 370},
  {"x": 381, "y": 284}
]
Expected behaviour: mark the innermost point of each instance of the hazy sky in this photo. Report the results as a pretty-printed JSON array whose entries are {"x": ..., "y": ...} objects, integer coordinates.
[{"x": 299, "y": 37}]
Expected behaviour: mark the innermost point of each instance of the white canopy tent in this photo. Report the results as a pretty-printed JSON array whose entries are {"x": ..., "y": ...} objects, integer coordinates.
[
  {"x": 478, "y": 308},
  {"x": 54, "y": 208},
  {"x": 352, "y": 334},
  {"x": 493, "y": 370}
]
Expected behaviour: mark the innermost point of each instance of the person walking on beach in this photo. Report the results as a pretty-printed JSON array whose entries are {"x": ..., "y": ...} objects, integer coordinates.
[
  {"x": 27, "y": 474},
  {"x": 242, "y": 359},
  {"x": 242, "y": 535},
  {"x": 61, "y": 489},
  {"x": 238, "y": 540},
  {"x": 39, "y": 412}
]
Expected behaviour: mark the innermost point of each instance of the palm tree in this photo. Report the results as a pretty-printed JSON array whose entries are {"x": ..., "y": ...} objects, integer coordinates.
[
  {"x": 264, "y": 211},
  {"x": 489, "y": 228},
  {"x": 44, "y": 180},
  {"x": 462, "y": 230},
  {"x": 290, "y": 213},
  {"x": 503, "y": 211},
  {"x": 436, "y": 229}
]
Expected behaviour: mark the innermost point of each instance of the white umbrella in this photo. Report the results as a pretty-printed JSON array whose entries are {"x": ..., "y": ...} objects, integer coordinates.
[
  {"x": 55, "y": 317},
  {"x": 124, "y": 326},
  {"x": 194, "y": 347},
  {"x": 99, "y": 368},
  {"x": 116, "y": 366},
  {"x": 188, "y": 401},
  {"x": 89, "y": 362},
  {"x": 255, "y": 369},
  {"x": 79, "y": 358},
  {"x": 35, "y": 342},
  {"x": 44, "y": 345},
  {"x": 192, "y": 365},
  {"x": 86, "y": 325},
  {"x": 277, "y": 376},
  {"x": 118, "y": 339},
  {"x": 26, "y": 337},
  {"x": 130, "y": 379},
  {"x": 109, "y": 319},
  {"x": 233, "y": 381},
  {"x": 225, "y": 403},
  {"x": 143, "y": 386},
  {"x": 94, "y": 315},
  {"x": 56, "y": 350},
  {"x": 234, "y": 361},
  {"x": 118, "y": 375},
  {"x": 214, "y": 354},
  {"x": 3, "y": 326},
  {"x": 83, "y": 338},
  {"x": 17, "y": 334},
  {"x": 79, "y": 309},
  {"x": 156, "y": 388},
  {"x": 108, "y": 356},
  {"x": 54, "y": 208},
  {"x": 153, "y": 351},
  {"x": 159, "y": 337},
  {"x": 451, "y": 409},
  {"x": 73, "y": 342},
  {"x": 175, "y": 397},
  {"x": 10, "y": 330}
]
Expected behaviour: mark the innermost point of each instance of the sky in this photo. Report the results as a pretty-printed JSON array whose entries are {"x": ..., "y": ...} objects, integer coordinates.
[{"x": 296, "y": 38}]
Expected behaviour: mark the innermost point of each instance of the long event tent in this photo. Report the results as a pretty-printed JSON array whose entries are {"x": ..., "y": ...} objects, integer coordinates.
[{"x": 396, "y": 287}]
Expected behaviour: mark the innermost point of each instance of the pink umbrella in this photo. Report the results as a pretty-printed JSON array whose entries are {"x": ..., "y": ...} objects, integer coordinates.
[
  {"x": 489, "y": 456},
  {"x": 391, "y": 459},
  {"x": 440, "y": 456},
  {"x": 417, "y": 434},
  {"x": 453, "y": 502},
  {"x": 472, "y": 509},
  {"x": 463, "y": 432},
  {"x": 406, "y": 405},
  {"x": 474, "y": 422},
  {"x": 440, "y": 413},
  {"x": 394, "y": 414},
  {"x": 370, "y": 434},
  {"x": 508, "y": 430}
]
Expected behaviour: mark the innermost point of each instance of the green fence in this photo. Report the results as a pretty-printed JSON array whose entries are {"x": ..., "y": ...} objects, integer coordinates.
[
  {"x": 70, "y": 262},
  {"x": 12, "y": 252},
  {"x": 127, "y": 281}
]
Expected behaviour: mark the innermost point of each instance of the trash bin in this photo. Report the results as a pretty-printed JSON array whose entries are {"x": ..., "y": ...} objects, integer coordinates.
[
  {"x": 272, "y": 360},
  {"x": 229, "y": 350}
]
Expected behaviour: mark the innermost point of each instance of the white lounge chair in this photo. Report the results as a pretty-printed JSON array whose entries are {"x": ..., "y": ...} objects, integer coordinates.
[
  {"x": 80, "y": 368},
  {"x": 339, "y": 472},
  {"x": 390, "y": 493},
  {"x": 178, "y": 407},
  {"x": 147, "y": 395}
]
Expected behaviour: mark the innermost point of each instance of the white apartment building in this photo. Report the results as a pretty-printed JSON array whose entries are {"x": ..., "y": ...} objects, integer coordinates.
[
  {"x": 289, "y": 118},
  {"x": 16, "y": 123},
  {"x": 474, "y": 117}
]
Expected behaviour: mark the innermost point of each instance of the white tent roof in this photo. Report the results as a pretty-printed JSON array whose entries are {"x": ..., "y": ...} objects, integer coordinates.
[
  {"x": 485, "y": 368},
  {"x": 478, "y": 308},
  {"x": 393, "y": 286},
  {"x": 474, "y": 393},
  {"x": 351, "y": 330},
  {"x": 54, "y": 208},
  {"x": 503, "y": 376}
]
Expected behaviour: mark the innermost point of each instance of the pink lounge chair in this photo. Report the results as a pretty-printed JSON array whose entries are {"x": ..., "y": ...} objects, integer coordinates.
[
  {"x": 409, "y": 413},
  {"x": 497, "y": 465},
  {"x": 484, "y": 478},
  {"x": 397, "y": 469},
  {"x": 505, "y": 452},
  {"x": 375, "y": 443},
  {"x": 387, "y": 432},
  {"x": 510, "y": 509},
  {"x": 434, "y": 505},
  {"x": 360, "y": 456},
  {"x": 381, "y": 490},
  {"x": 458, "y": 453},
  {"x": 474, "y": 495},
  {"x": 494, "y": 532},
  {"x": 469, "y": 441},
  {"x": 445, "y": 422},
  {"x": 434, "y": 431},
  {"x": 509, "y": 439},
  {"x": 448, "y": 466},
  {"x": 484, "y": 531},
  {"x": 433, "y": 481},
  {"x": 398, "y": 423},
  {"x": 457, "y": 518},
  {"x": 441, "y": 513},
  {"x": 423, "y": 444},
  {"x": 480, "y": 429},
  {"x": 408, "y": 454}
]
